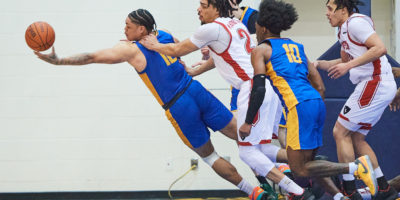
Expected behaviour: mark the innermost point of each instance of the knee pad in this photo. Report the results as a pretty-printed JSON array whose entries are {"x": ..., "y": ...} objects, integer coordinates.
[
  {"x": 270, "y": 150},
  {"x": 210, "y": 160}
]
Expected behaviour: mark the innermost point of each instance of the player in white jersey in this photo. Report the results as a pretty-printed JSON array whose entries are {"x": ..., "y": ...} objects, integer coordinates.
[
  {"x": 363, "y": 56},
  {"x": 230, "y": 45}
]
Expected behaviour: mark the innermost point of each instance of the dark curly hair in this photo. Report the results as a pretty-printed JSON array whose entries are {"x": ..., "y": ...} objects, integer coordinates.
[
  {"x": 144, "y": 18},
  {"x": 276, "y": 16},
  {"x": 350, "y": 5},
  {"x": 223, "y": 6}
]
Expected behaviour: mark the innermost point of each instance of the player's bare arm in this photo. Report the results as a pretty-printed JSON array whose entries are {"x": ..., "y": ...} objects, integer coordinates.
[
  {"x": 259, "y": 56},
  {"x": 326, "y": 64},
  {"x": 204, "y": 67},
  {"x": 376, "y": 49},
  {"x": 119, "y": 53},
  {"x": 171, "y": 49},
  {"x": 315, "y": 79}
]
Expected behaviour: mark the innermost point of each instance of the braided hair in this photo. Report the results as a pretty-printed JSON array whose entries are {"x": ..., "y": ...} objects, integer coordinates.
[
  {"x": 144, "y": 18},
  {"x": 350, "y": 5},
  {"x": 276, "y": 16},
  {"x": 223, "y": 6}
]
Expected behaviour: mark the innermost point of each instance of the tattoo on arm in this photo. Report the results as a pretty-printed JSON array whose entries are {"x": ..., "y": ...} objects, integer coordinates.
[{"x": 80, "y": 59}]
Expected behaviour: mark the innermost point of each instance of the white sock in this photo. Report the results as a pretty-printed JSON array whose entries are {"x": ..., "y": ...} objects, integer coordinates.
[
  {"x": 290, "y": 186},
  {"x": 352, "y": 167},
  {"x": 348, "y": 177},
  {"x": 245, "y": 186},
  {"x": 378, "y": 172},
  {"x": 337, "y": 196}
]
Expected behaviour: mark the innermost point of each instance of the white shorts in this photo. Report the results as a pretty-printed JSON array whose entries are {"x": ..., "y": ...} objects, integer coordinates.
[
  {"x": 266, "y": 118},
  {"x": 366, "y": 104}
]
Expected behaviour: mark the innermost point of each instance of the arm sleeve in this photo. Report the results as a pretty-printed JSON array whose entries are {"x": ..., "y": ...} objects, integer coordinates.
[
  {"x": 205, "y": 34},
  {"x": 256, "y": 97},
  {"x": 360, "y": 29}
]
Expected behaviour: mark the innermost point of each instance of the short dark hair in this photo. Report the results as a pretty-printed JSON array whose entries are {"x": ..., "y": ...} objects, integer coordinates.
[
  {"x": 276, "y": 16},
  {"x": 143, "y": 17},
  {"x": 223, "y": 6},
  {"x": 350, "y": 5},
  {"x": 238, "y": 2}
]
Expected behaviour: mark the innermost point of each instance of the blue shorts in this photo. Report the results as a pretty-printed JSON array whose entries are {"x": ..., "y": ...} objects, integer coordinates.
[
  {"x": 235, "y": 94},
  {"x": 305, "y": 122},
  {"x": 196, "y": 110}
]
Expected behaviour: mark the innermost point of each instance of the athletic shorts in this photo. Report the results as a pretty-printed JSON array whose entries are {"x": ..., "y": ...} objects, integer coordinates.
[
  {"x": 366, "y": 105},
  {"x": 196, "y": 110},
  {"x": 234, "y": 96},
  {"x": 305, "y": 122},
  {"x": 264, "y": 122}
]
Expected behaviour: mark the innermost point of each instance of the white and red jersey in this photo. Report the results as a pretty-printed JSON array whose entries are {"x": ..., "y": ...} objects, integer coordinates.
[
  {"x": 352, "y": 36},
  {"x": 231, "y": 45}
]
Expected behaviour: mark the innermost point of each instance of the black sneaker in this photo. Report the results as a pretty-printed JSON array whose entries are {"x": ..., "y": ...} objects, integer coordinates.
[
  {"x": 350, "y": 190},
  {"x": 307, "y": 195},
  {"x": 388, "y": 194}
]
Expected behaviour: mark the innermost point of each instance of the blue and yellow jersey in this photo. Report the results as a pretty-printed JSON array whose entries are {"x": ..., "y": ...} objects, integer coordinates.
[
  {"x": 248, "y": 18},
  {"x": 287, "y": 70},
  {"x": 163, "y": 75}
]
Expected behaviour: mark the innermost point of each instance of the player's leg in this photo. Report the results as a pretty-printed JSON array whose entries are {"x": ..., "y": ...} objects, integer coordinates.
[
  {"x": 263, "y": 166},
  {"x": 215, "y": 115},
  {"x": 363, "y": 148}
]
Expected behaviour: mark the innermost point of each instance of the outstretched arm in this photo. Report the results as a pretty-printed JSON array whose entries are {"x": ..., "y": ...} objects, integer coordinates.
[
  {"x": 119, "y": 53},
  {"x": 171, "y": 49}
]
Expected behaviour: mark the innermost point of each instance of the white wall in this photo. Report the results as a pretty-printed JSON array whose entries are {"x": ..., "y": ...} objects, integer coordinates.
[{"x": 96, "y": 127}]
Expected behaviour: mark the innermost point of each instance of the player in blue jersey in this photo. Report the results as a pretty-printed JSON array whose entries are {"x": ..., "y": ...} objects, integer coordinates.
[
  {"x": 285, "y": 64},
  {"x": 188, "y": 105}
]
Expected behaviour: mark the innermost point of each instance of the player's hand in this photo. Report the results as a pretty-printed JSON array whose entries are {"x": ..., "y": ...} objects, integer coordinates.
[
  {"x": 395, "y": 104},
  {"x": 50, "y": 58},
  {"x": 316, "y": 64},
  {"x": 199, "y": 63},
  {"x": 244, "y": 130},
  {"x": 396, "y": 72},
  {"x": 338, "y": 70},
  {"x": 149, "y": 41},
  {"x": 205, "y": 51}
]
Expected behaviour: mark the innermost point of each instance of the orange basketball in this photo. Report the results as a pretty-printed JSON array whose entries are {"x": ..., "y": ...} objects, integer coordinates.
[{"x": 40, "y": 36}]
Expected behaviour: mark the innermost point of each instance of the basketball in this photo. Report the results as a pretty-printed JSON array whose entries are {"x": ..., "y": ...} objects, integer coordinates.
[{"x": 40, "y": 36}]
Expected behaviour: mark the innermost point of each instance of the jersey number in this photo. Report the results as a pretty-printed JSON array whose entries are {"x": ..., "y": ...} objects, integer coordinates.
[
  {"x": 242, "y": 33},
  {"x": 168, "y": 59},
  {"x": 290, "y": 53}
]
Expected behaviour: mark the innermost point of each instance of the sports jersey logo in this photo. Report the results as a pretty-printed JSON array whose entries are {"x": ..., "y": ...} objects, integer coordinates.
[{"x": 346, "y": 109}]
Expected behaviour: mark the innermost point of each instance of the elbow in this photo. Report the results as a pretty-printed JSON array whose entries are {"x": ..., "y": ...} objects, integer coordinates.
[{"x": 382, "y": 51}]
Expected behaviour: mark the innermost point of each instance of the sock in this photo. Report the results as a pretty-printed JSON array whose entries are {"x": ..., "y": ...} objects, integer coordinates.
[
  {"x": 348, "y": 177},
  {"x": 337, "y": 196},
  {"x": 352, "y": 167},
  {"x": 290, "y": 186},
  {"x": 378, "y": 172},
  {"x": 349, "y": 187},
  {"x": 245, "y": 187}
]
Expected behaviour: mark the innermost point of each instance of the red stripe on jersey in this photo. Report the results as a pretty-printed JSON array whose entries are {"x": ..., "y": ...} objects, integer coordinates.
[
  {"x": 228, "y": 58},
  {"x": 249, "y": 144},
  {"x": 371, "y": 87},
  {"x": 343, "y": 117}
]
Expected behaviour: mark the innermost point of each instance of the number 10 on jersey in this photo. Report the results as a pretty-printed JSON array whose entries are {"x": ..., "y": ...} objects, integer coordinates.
[{"x": 292, "y": 52}]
